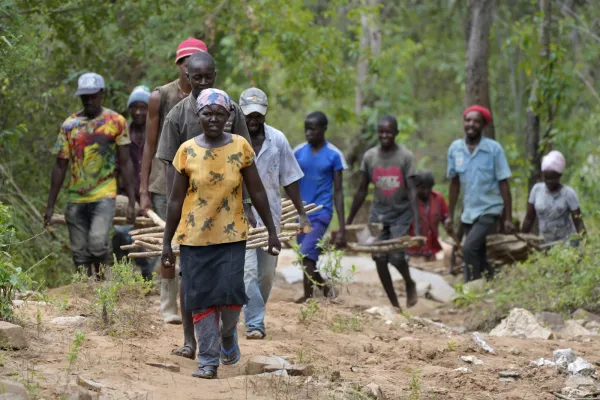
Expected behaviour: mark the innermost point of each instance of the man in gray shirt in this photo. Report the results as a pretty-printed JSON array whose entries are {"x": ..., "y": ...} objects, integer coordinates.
[
  {"x": 182, "y": 124},
  {"x": 391, "y": 169},
  {"x": 277, "y": 166}
]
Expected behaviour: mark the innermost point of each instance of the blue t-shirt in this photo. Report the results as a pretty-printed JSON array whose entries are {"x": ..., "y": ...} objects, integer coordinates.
[
  {"x": 479, "y": 173},
  {"x": 317, "y": 184}
]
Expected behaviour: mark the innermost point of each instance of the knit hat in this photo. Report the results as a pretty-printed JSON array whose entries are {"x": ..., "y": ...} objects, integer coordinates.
[
  {"x": 139, "y": 93},
  {"x": 189, "y": 47},
  {"x": 485, "y": 112}
]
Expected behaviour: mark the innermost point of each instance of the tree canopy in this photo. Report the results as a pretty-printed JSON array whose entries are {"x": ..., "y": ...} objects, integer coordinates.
[{"x": 354, "y": 59}]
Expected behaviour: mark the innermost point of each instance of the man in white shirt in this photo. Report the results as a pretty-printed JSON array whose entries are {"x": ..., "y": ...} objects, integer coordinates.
[{"x": 277, "y": 167}]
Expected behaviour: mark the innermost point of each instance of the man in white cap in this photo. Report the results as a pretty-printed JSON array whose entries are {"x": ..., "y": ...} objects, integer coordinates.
[
  {"x": 277, "y": 167},
  {"x": 91, "y": 139}
]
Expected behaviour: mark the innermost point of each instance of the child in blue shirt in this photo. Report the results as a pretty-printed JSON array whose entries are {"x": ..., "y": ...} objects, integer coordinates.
[{"x": 322, "y": 164}]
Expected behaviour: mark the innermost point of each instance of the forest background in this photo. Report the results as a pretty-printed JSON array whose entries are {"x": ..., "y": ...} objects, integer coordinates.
[{"x": 535, "y": 63}]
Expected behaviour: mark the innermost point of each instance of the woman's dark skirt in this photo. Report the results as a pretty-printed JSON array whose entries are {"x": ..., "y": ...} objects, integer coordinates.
[{"x": 213, "y": 275}]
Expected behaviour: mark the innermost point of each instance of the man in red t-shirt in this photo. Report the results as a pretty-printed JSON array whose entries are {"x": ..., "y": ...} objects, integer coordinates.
[{"x": 433, "y": 210}]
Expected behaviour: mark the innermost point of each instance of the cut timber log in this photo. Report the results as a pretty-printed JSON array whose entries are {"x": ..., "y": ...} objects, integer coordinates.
[
  {"x": 139, "y": 221},
  {"x": 153, "y": 229},
  {"x": 389, "y": 246}
]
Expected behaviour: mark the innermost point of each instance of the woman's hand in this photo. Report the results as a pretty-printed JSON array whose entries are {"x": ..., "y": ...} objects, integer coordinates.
[
  {"x": 168, "y": 259},
  {"x": 274, "y": 246}
]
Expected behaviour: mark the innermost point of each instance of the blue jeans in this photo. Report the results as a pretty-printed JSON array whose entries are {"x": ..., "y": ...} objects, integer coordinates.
[
  {"x": 211, "y": 325},
  {"x": 89, "y": 227},
  {"x": 122, "y": 237},
  {"x": 259, "y": 273}
]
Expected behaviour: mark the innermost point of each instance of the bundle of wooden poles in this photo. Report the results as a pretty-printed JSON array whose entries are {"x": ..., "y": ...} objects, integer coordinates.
[
  {"x": 506, "y": 249},
  {"x": 362, "y": 238},
  {"x": 388, "y": 246},
  {"x": 151, "y": 239}
]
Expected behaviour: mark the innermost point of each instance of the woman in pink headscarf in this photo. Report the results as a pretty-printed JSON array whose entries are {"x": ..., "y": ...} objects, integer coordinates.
[{"x": 555, "y": 205}]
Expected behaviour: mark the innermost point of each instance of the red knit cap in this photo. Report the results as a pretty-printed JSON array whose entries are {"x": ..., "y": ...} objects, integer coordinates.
[
  {"x": 485, "y": 113},
  {"x": 189, "y": 47}
]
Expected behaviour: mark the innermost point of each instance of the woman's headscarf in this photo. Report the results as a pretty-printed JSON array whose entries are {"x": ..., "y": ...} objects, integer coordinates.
[
  {"x": 554, "y": 161},
  {"x": 485, "y": 113},
  {"x": 213, "y": 96}
]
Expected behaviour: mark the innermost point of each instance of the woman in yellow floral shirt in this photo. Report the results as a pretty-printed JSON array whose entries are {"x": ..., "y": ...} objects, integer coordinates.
[{"x": 206, "y": 217}]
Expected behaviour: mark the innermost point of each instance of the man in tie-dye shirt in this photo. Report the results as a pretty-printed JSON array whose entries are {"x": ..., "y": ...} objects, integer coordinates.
[{"x": 90, "y": 140}]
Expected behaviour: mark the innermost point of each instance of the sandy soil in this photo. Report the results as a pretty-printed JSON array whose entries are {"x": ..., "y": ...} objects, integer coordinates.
[{"x": 347, "y": 347}]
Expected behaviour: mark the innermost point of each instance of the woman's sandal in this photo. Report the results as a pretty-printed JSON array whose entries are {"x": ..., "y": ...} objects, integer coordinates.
[
  {"x": 205, "y": 372},
  {"x": 231, "y": 356},
  {"x": 185, "y": 352}
]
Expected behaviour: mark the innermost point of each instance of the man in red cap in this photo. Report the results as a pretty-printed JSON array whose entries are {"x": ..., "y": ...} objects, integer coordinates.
[
  {"x": 478, "y": 165},
  {"x": 153, "y": 185}
]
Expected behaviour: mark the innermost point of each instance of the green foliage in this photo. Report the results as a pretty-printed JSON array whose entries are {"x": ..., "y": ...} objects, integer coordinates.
[
  {"x": 119, "y": 300},
  {"x": 73, "y": 356},
  {"x": 344, "y": 324},
  {"x": 308, "y": 311},
  {"x": 452, "y": 346},
  {"x": 307, "y": 60},
  {"x": 562, "y": 280},
  {"x": 414, "y": 386},
  {"x": 465, "y": 297},
  {"x": 12, "y": 278}
]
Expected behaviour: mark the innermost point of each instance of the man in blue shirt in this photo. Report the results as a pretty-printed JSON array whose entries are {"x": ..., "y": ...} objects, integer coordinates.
[
  {"x": 478, "y": 166},
  {"x": 322, "y": 164}
]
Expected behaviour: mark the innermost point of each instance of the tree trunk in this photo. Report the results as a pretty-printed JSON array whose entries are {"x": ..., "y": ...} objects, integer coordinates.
[
  {"x": 370, "y": 47},
  {"x": 532, "y": 129},
  {"x": 477, "y": 33}
]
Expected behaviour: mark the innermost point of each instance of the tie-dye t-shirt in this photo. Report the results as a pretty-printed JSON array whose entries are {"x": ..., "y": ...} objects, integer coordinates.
[
  {"x": 91, "y": 148},
  {"x": 212, "y": 211}
]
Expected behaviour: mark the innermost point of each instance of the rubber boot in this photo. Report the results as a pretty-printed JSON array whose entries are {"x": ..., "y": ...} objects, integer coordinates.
[{"x": 168, "y": 300}]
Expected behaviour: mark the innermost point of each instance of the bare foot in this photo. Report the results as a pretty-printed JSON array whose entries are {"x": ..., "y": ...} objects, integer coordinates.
[
  {"x": 301, "y": 300},
  {"x": 411, "y": 295}
]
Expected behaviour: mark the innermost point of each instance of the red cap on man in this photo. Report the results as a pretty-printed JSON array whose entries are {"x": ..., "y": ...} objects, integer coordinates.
[{"x": 189, "y": 47}]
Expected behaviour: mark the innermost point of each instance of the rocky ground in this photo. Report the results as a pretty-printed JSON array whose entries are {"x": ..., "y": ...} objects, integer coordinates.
[{"x": 353, "y": 348}]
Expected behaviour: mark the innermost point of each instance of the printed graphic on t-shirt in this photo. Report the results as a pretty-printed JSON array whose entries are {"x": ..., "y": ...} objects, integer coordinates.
[{"x": 388, "y": 180}]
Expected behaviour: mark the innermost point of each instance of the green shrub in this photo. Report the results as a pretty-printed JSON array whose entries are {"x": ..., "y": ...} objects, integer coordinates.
[
  {"x": 560, "y": 280},
  {"x": 12, "y": 278}
]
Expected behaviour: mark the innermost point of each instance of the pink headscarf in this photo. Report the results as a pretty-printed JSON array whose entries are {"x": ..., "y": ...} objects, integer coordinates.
[{"x": 554, "y": 161}]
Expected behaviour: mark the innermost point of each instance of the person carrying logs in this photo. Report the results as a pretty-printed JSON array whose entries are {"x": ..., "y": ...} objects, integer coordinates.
[
  {"x": 555, "y": 205},
  {"x": 153, "y": 184},
  {"x": 277, "y": 168},
  {"x": 390, "y": 167},
  {"x": 137, "y": 105},
  {"x": 433, "y": 211},
  {"x": 181, "y": 124},
  {"x": 322, "y": 164},
  {"x": 478, "y": 166},
  {"x": 91, "y": 139},
  {"x": 205, "y": 215}
]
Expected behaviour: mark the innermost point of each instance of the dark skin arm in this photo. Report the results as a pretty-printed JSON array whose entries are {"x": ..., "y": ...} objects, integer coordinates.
[
  {"x": 414, "y": 204},
  {"x": 338, "y": 198},
  {"x": 293, "y": 193},
  {"x": 178, "y": 190},
  {"x": 171, "y": 175},
  {"x": 453, "y": 199},
  {"x": 578, "y": 221},
  {"x": 359, "y": 197},
  {"x": 529, "y": 218},
  {"x": 152, "y": 128},
  {"x": 259, "y": 198},
  {"x": 507, "y": 198},
  {"x": 56, "y": 181},
  {"x": 128, "y": 179}
]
